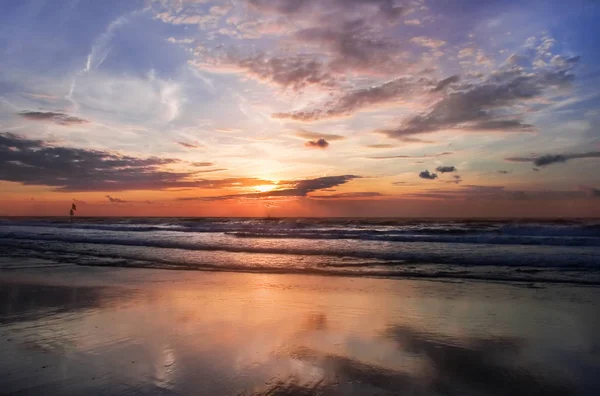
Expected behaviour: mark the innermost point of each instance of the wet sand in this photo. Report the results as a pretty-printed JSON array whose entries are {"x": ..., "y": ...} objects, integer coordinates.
[{"x": 70, "y": 330}]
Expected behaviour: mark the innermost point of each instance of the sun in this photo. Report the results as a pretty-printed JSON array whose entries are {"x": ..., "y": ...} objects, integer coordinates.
[{"x": 265, "y": 187}]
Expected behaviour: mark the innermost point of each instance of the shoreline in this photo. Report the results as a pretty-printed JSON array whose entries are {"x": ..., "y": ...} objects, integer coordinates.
[{"x": 396, "y": 275}]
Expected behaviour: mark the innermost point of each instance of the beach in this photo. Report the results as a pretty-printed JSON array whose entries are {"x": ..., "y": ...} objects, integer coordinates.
[{"x": 71, "y": 330}]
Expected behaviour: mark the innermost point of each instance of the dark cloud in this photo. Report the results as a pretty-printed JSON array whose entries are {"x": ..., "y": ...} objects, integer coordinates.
[
  {"x": 398, "y": 183},
  {"x": 499, "y": 192},
  {"x": 201, "y": 164},
  {"x": 388, "y": 9},
  {"x": 503, "y": 172},
  {"x": 550, "y": 159},
  {"x": 115, "y": 200},
  {"x": 347, "y": 103},
  {"x": 443, "y": 84},
  {"x": 412, "y": 156},
  {"x": 489, "y": 104},
  {"x": 212, "y": 170},
  {"x": 51, "y": 116},
  {"x": 289, "y": 188},
  {"x": 426, "y": 175},
  {"x": 304, "y": 134},
  {"x": 320, "y": 143},
  {"x": 190, "y": 145},
  {"x": 295, "y": 72},
  {"x": 380, "y": 146},
  {"x": 445, "y": 169},
  {"x": 349, "y": 34},
  {"x": 359, "y": 194},
  {"x": 456, "y": 179},
  {"x": 590, "y": 191},
  {"x": 33, "y": 162}
]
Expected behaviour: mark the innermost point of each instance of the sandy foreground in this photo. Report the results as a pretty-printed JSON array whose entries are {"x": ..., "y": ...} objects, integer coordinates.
[{"x": 70, "y": 330}]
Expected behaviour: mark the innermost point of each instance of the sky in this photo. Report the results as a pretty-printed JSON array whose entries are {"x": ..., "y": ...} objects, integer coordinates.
[{"x": 418, "y": 108}]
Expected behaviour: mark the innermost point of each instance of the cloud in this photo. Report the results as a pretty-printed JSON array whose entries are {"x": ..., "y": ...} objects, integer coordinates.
[
  {"x": 200, "y": 164},
  {"x": 503, "y": 172},
  {"x": 456, "y": 179},
  {"x": 445, "y": 169},
  {"x": 79, "y": 202},
  {"x": 446, "y": 82},
  {"x": 492, "y": 104},
  {"x": 380, "y": 146},
  {"x": 115, "y": 200},
  {"x": 304, "y": 134},
  {"x": 340, "y": 36},
  {"x": 358, "y": 194},
  {"x": 467, "y": 192},
  {"x": 412, "y": 156},
  {"x": 426, "y": 175},
  {"x": 34, "y": 162},
  {"x": 386, "y": 9},
  {"x": 51, "y": 116},
  {"x": 590, "y": 191},
  {"x": 412, "y": 22},
  {"x": 354, "y": 46},
  {"x": 427, "y": 42},
  {"x": 466, "y": 52},
  {"x": 289, "y": 188},
  {"x": 190, "y": 145},
  {"x": 295, "y": 72},
  {"x": 550, "y": 159},
  {"x": 320, "y": 143},
  {"x": 347, "y": 103}
]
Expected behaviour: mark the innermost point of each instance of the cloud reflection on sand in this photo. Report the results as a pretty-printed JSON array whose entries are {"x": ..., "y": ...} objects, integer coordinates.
[{"x": 247, "y": 334}]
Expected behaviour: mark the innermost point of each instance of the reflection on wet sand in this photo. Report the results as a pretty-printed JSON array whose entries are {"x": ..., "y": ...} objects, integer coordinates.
[{"x": 160, "y": 332}]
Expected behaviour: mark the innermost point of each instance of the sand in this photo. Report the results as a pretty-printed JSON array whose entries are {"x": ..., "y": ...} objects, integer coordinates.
[{"x": 70, "y": 330}]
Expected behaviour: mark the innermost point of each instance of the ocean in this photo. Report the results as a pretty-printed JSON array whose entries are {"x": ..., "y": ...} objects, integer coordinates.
[{"x": 565, "y": 251}]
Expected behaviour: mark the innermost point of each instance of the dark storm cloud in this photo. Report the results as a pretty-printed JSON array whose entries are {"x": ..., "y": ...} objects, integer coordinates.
[
  {"x": 51, "y": 116},
  {"x": 33, "y": 162},
  {"x": 304, "y": 134},
  {"x": 426, "y": 175},
  {"x": 445, "y": 169},
  {"x": 487, "y": 105},
  {"x": 320, "y": 143},
  {"x": 290, "y": 188},
  {"x": 115, "y": 200},
  {"x": 550, "y": 159}
]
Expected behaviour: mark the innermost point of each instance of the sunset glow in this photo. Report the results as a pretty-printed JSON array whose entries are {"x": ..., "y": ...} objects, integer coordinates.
[{"x": 370, "y": 107}]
